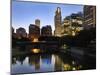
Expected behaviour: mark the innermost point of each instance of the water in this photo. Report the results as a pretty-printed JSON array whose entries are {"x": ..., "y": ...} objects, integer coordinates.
[{"x": 50, "y": 63}]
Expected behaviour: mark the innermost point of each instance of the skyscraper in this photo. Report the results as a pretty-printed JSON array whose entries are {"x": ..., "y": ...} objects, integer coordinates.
[
  {"x": 89, "y": 16},
  {"x": 58, "y": 20},
  {"x": 37, "y": 22},
  {"x": 34, "y": 31}
]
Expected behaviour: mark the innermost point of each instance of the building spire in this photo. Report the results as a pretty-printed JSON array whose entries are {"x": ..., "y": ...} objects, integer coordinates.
[{"x": 58, "y": 9}]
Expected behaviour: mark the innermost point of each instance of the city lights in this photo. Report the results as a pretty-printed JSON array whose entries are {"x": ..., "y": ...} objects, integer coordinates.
[
  {"x": 35, "y": 40},
  {"x": 35, "y": 50},
  {"x": 62, "y": 37}
]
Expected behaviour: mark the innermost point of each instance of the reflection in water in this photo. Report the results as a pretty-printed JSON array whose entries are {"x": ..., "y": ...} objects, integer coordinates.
[
  {"x": 43, "y": 63},
  {"x": 66, "y": 67},
  {"x": 58, "y": 63},
  {"x": 35, "y": 50},
  {"x": 35, "y": 40},
  {"x": 35, "y": 60},
  {"x": 14, "y": 61},
  {"x": 19, "y": 59}
]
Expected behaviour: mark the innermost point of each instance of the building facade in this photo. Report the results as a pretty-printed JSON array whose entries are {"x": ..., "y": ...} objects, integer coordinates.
[
  {"x": 72, "y": 24},
  {"x": 66, "y": 26},
  {"x": 76, "y": 23},
  {"x": 34, "y": 31},
  {"x": 89, "y": 16},
  {"x": 46, "y": 31},
  {"x": 58, "y": 22}
]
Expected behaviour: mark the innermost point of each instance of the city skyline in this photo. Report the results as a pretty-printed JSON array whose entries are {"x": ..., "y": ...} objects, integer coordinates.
[
  {"x": 52, "y": 37},
  {"x": 25, "y": 13}
]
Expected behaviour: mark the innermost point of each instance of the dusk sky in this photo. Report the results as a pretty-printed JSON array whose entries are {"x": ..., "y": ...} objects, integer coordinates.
[{"x": 25, "y": 13}]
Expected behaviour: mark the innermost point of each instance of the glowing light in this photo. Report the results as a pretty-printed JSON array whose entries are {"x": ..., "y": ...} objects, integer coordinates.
[
  {"x": 66, "y": 67},
  {"x": 35, "y": 50},
  {"x": 35, "y": 40},
  {"x": 74, "y": 68},
  {"x": 78, "y": 29},
  {"x": 73, "y": 33}
]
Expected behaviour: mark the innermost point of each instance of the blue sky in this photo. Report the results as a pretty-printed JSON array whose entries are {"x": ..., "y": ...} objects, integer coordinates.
[{"x": 25, "y": 13}]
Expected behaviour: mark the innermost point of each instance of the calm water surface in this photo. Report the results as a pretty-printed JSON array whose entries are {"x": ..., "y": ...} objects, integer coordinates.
[{"x": 49, "y": 63}]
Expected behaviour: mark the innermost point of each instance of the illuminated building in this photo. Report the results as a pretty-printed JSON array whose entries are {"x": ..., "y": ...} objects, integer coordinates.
[
  {"x": 34, "y": 31},
  {"x": 77, "y": 17},
  {"x": 58, "y": 21},
  {"x": 71, "y": 24},
  {"x": 76, "y": 23},
  {"x": 66, "y": 26},
  {"x": 89, "y": 16}
]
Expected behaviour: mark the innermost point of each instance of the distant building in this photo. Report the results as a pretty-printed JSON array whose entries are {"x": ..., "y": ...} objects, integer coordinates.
[
  {"x": 37, "y": 22},
  {"x": 46, "y": 31},
  {"x": 89, "y": 16},
  {"x": 21, "y": 33},
  {"x": 58, "y": 21},
  {"x": 34, "y": 31}
]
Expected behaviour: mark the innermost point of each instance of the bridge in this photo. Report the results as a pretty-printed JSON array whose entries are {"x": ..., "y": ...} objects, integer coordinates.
[
  {"x": 38, "y": 43},
  {"x": 51, "y": 45}
]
